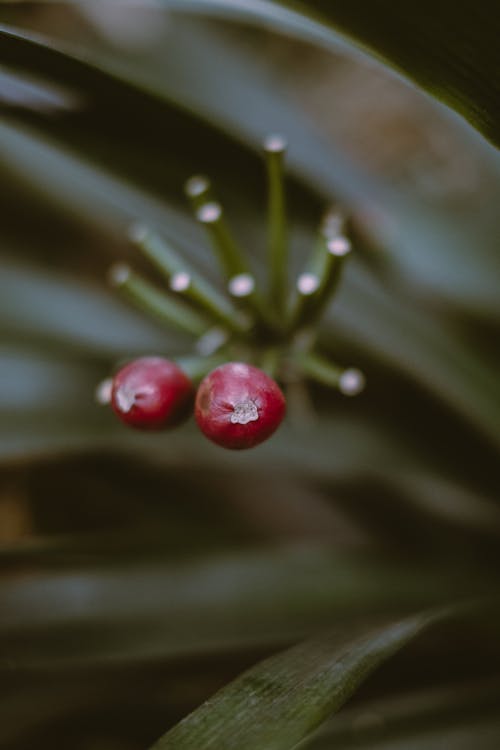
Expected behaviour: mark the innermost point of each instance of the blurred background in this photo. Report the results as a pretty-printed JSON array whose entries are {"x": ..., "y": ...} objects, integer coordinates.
[{"x": 139, "y": 573}]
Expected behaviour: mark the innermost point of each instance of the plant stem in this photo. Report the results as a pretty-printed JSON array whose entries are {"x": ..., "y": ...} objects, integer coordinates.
[
  {"x": 183, "y": 280},
  {"x": 275, "y": 146},
  {"x": 241, "y": 283},
  {"x": 317, "y": 285},
  {"x": 242, "y": 288},
  {"x": 320, "y": 369},
  {"x": 151, "y": 300},
  {"x": 227, "y": 251},
  {"x": 199, "y": 191},
  {"x": 349, "y": 381}
]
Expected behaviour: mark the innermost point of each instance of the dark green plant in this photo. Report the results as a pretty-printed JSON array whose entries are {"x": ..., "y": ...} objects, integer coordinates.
[{"x": 155, "y": 587}]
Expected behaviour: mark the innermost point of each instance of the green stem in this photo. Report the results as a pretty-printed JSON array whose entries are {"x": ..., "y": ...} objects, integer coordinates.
[
  {"x": 242, "y": 288},
  {"x": 320, "y": 369},
  {"x": 199, "y": 191},
  {"x": 183, "y": 280},
  {"x": 241, "y": 283},
  {"x": 226, "y": 250},
  {"x": 333, "y": 223},
  {"x": 349, "y": 381},
  {"x": 151, "y": 300},
  {"x": 317, "y": 285},
  {"x": 159, "y": 252},
  {"x": 275, "y": 146}
]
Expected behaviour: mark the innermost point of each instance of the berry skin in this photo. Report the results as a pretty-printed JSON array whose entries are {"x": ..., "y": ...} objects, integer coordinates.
[
  {"x": 151, "y": 393},
  {"x": 238, "y": 406}
]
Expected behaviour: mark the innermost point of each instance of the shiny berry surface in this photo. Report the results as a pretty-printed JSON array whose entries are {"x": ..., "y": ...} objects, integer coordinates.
[
  {"x": 151, "y": 393},
  {"x": 239, "y": 406}
]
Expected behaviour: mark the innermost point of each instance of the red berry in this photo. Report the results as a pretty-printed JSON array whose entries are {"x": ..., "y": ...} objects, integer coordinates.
[
  {"x": 238, "y": 406},
  {"x": 151, "y": 393}
]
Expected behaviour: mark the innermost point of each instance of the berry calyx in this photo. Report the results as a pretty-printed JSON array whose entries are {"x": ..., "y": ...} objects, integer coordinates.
[
  {"x": 239, "y": 406},
  {"x": 151, "y": 393}
]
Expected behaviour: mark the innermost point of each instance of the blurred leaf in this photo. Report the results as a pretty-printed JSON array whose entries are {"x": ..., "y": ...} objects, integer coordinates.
[
  {"x": 138, "y": 611},
  {"x": 209, "y": 77},
  {"x": 429, "y": 351},
  {"x": 458, "y": 716},
  {"x": 279, "y": 701},
  {"x": 449, "y": 50},
  {"x": 56, "y": 310},
  {"x": 28, "y": 93},
  {"x": 481, "y": 733},
  {"x": 460, "y": 734},
  {"x": 160, "y": 148},
  {"x": 40, "y": 384},
  {"x": 211, "y": 74}
]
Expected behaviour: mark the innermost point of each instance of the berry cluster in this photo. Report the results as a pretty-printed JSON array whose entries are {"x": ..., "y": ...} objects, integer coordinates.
[{"x": 237, "y": 404}]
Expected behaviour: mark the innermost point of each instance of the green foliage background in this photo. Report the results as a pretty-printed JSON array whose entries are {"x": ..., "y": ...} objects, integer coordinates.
[{"x": 141, "y": 575}]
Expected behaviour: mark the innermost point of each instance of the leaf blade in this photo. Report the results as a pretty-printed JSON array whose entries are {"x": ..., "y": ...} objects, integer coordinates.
[
  {"x": 278, "y": 702},
  {"x": 449, "y": 50}
]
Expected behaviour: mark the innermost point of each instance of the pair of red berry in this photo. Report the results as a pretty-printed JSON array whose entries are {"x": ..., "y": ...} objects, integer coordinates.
[{"x": 236, "y": 406}]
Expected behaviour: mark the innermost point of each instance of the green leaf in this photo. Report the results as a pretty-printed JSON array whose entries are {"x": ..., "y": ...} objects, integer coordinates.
[
  {"x": 162, "y": 609},
  {"x": 67, "y": 316},
  {"x": 451, "y": 50},
  {"x": 279, "y": 701},
  {"x": 429, "y": 351}
]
